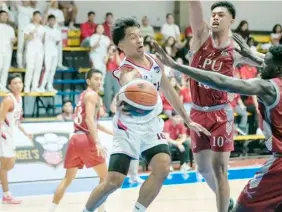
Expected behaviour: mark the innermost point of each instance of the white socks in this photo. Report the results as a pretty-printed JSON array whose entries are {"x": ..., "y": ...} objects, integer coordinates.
[
  {"x": 53, "y": 207},
  {"x": 139, "y": 208},
  {"x": 7, "y": 194}
]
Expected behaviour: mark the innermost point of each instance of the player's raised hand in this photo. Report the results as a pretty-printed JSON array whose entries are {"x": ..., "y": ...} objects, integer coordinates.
[
  {"x": 244, "y": 49},
  {"x": 198, "y": 128},
  {"x": 101, "y": 150},
  {"x": 162, "y": 56}
]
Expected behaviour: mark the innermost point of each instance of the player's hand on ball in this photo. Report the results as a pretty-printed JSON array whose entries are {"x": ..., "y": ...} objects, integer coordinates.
[
  {"x": 101, "y": 150},
  {"x": 198, "y": 128},
  {"x": 162, "y": 56}
]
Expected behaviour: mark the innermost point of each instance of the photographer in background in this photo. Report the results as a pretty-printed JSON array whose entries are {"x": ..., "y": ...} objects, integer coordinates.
[{"x": 111, "y": 86}]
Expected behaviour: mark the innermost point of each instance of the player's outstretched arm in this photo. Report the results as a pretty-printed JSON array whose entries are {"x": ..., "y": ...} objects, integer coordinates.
[
  {"x": 196, "y": 18},
  {"x": 104, "y": 129}
]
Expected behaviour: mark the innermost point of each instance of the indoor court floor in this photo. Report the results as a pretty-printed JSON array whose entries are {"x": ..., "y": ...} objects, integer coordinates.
[{"x": 181, "y": 193}]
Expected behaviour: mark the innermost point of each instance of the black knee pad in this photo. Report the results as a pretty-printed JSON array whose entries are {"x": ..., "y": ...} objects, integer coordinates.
[
  {"x": 150, "y": 153},
  {"x": 119, "y": 163}
]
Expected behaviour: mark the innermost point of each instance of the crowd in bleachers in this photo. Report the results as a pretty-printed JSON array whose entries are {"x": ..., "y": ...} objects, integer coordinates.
[{"x": 39, "y": 30}]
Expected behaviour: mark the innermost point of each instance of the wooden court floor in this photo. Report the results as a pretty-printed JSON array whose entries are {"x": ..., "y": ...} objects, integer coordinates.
[{"x": 195, "y": 197}]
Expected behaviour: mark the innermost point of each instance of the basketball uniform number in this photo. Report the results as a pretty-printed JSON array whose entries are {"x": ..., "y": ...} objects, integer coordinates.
[
  {"x": 78, "y": 118},
  {"x": 218, "y": 141},
  {"x": 161, "y": 136}
]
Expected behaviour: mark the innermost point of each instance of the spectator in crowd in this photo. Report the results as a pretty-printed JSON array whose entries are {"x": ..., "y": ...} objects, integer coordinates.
[
  {"x": 178, "y": 75},
  {"x": 188, "y": 32},
  {"x": 148, "y": 44},
  {"x": 111, "y": 85},
  {"x": 70, "y": 12},
  {"x": 170, "y": 46},
  {"x": 52, "y": 39},
  {"x": 25, "y": 13},
  {"x": 276, "y": 34},
  {"x": 167, "y": 108},
  {"x": 147, "y": 29},
  {"x": 99, "y": 44},
  {"x": 183, "y": 53},
  {"x": 11, "y": 17},
  {"x": 252, "y": 44},
  {"x": 7, "y": 41},
  {"x": 108, "y": 25},
  {"x": 185, "y": 94},
  {"x": 175, "y": 133},
  {"x": 33, "y": 4},
  {"x": 87, "y": 29},
  {"x": 243, "y": 30},
  {"x": 169, "y": 29},
  {"x": 34, "y": 34},
  {"x": 53, "y": 10},
  {"x": 67, "y": 112}
]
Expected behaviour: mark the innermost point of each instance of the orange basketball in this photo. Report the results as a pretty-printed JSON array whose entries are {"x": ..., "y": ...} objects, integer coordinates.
[{"x": 142, "y": 93}]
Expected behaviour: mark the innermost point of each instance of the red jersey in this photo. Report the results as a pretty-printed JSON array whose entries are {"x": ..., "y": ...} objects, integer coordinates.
[
  {"x": 270, "y": 122},
  {"x": 80, "y": 114},
  {"x": 221, "y": 60},
  {"x": 174, "y": 130},
  {"x": 186, "y": 94}
]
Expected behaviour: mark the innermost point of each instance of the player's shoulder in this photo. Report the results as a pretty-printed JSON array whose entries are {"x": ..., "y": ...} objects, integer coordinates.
[{"x": 90, "y": 95}]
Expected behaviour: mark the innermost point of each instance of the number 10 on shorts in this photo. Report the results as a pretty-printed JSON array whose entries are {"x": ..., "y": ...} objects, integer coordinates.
[{"x": 218, "y": 141}]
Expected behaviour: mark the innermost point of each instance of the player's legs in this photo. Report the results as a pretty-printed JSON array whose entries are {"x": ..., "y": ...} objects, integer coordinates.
[
  {"x": 118, "y": 169},
  {"x": 159, "y": 159},
  {"x": 102, "y": 172},
  {"x": 7, "y": 164},
  {"x": 220, "y": 169},
  {"x": 205, "y": 168},
  {"x": 64, "y": 184}
]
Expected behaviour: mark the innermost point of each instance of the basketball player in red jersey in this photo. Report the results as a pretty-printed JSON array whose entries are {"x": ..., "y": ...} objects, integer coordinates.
[
  {"x": 263, "y": 193},
  {"x": 138, "y": 135},
  {"x": 84, "y": 147},
  {"x": 212, "y": 49},
  {"x": 10, "y": 116}
]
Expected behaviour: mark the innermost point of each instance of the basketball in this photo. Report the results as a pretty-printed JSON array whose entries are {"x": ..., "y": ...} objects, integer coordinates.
[{"x": 142, "y": 93}]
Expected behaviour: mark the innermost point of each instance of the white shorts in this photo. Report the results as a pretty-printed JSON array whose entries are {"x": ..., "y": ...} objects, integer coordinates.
[
  {"x": 133, "y": 139},
  {"x": 7, "y": 148}
]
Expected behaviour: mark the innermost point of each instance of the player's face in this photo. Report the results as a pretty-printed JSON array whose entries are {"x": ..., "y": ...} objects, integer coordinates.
[
  {"x": 16, "y": 85},
  {"x": 3, "y": 18},
  {"x": 221, "y": 19},
  {"x": 271, "y": 68},
  {"x": 95, "y": 82},
  {"x": 132, "y": 44}
]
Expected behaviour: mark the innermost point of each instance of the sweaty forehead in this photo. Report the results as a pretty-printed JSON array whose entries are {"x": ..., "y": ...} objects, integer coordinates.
[
  {"x": 131, "y": 31},
  {"x": 221, "y": 10}
]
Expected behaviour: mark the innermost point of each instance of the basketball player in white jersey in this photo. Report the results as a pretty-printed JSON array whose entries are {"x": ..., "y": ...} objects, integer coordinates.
[
  {"x": 10, "y": 116},
  {"x": 6, "y": 48},
  {"x": 138, "y": 135}
]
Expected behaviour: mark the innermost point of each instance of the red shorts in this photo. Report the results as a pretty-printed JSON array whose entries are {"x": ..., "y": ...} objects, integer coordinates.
[
  {"x": 263, "y": 193},
  {"x": 220, "y": 124},
  {"x": 82, "y": 151}
]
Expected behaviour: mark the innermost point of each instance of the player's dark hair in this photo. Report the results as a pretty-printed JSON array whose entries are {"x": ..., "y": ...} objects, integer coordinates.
[
  {"x": 3, "y": 11},
  {"x": 168, "y": 14},
  {"x": 13, "y": 76},
  {"x": 276, "y": 52},
  {"x": 67, "y": 101},
  {"x": 91, "y": 13},
  {"x": 228, "y": 5},
  {"x": 109, "y": 14},
  {"x": 90, "y": 73},
  {"x": 51, "y": 17},
  {"x": 118, "y": 30},
  {"x": 36, "y": 12}
]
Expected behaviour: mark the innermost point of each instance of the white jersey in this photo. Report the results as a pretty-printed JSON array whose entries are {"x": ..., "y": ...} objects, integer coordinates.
[
  {"x": 153, "y": 75},
  {"x": 12, "y": 120}
]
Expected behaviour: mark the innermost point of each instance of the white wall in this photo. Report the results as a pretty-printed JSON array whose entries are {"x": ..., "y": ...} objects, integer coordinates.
[{"x": 155, "y": 10}]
